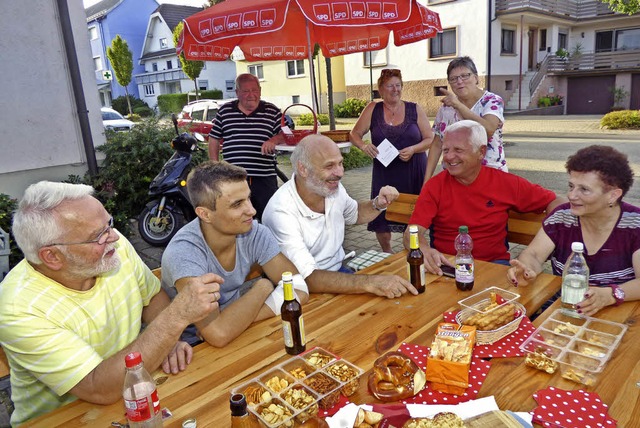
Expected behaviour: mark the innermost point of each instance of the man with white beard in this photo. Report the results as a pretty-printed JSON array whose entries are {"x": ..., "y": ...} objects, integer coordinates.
[
  {"x": 74, "y": 307},
  {"x": 308, "y": 215}
]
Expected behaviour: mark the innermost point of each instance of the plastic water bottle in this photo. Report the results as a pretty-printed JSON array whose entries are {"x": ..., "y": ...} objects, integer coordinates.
[
  {"x": 575, "y": 279},
  {"x": 464, "y": 260},
  {"x": 140, "y": 395}
]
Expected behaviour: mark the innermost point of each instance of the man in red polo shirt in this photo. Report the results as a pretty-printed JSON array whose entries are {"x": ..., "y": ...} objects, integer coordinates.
[{"x": 468, "y": 193}]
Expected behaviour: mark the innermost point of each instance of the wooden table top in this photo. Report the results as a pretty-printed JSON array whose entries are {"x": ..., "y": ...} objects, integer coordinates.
[{"x": 359, "y": 328}]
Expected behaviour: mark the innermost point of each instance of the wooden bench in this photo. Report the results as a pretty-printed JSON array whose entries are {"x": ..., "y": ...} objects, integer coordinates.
[{"x": 522, "y": 227}]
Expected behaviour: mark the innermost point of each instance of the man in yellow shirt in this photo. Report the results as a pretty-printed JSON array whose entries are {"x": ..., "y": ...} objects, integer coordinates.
[{"x": 73, "y": 309}]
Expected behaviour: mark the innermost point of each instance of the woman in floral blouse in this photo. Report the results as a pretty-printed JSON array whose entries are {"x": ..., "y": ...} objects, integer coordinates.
[{"x": 467, "y": 101}]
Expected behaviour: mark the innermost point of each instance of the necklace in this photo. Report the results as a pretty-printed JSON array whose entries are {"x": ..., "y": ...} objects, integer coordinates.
[{"x": 393, "y": 112}]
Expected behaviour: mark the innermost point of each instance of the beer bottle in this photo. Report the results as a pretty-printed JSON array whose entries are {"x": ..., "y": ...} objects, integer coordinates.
[
  {"x": 240, "y": 417},
  {"x": 415, "y": 261},
  {"x": 292, "y": 322},
  {"x": 464, "y": 260}
]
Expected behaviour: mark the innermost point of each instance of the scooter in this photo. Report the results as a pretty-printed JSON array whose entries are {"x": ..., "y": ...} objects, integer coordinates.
[{"x": 171, "y": 208}]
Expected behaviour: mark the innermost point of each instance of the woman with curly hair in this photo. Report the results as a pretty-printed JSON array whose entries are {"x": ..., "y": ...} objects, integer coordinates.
[{"x": 599, "y": 177}]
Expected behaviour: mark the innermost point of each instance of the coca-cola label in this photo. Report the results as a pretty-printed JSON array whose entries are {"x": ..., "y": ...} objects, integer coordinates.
[{"x": 140, "y": 410}]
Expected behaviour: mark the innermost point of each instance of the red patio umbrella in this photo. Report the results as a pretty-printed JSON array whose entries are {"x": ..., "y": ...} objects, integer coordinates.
[{"x": 288, "y": 29}]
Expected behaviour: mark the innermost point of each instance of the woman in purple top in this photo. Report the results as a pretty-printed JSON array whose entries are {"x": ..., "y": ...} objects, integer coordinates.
[
  {"x": 599, "y": 176},
  {"x": 406, "y": 127}
]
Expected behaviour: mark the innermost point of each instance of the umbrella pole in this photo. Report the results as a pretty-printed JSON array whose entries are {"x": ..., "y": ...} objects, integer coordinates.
[{"x": 311, "y": 70}]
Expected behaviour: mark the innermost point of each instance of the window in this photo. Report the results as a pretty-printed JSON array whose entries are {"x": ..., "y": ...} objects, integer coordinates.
[
  {"x": 543, "y": 40},
  {"x": 93, "y": 33},
  {"x": 154, "y": 66},
  {"x": 508, "y": 43},
  {"x": 230, "y": 85},
  {"x": 508, "y": 85},
  {"x": 211, "y": 114},
  {"x": 295, "y": 68},
  {"x": 443, "y": 44},
  {"x": 198, "y": 114},
  {"x": 256, "y": 70},
  {"x": 378, "y": 58},
  {"x": 97, "y": 63},
  {"x": 149, "y": 90},
  {"x": 295, "y": 99},
  {"x": 618, "y": 40},
  {"x": 562, "y": 40},
  {"x": 164, "y": 43},
  {"x": 169, "y": 65},
  {"x": 203, "y": 85}
]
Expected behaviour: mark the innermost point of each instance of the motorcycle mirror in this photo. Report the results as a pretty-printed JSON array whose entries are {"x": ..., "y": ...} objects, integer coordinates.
[
  {"x": 198, "y": 136},
  {"x": 174, "y": 119}
]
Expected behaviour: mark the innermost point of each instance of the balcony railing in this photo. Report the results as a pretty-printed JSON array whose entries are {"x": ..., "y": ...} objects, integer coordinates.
[
  {"x": 575, "y": 9},
  {"x": 160, "y": 76},
  {"x": 628, "y": 59}
]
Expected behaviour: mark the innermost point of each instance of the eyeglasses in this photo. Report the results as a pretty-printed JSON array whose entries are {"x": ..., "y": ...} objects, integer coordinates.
[
  {"x": 391, "y": 72},
  {"x": 102, "y": 238},
  {"x": 464, "y": 77}
]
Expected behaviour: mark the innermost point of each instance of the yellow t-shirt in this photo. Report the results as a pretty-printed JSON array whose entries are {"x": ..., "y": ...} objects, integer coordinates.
[{"x": 54, "y": 336}]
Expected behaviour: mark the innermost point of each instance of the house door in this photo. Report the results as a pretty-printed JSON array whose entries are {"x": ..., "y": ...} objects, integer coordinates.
[
  {"x": 635, "y": 92},
  {"x": 532, "y": 51},
  {"x": 583, "y": 99}
]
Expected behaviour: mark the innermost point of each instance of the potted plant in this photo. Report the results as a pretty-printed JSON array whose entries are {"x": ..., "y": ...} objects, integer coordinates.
[
  {"x": 619, "y": 95},
  {"x": 563, "y": 54}
]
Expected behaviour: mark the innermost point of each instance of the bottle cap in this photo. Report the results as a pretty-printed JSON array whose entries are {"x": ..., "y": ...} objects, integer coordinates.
[
  {"x": 132, "y": 359},
  {"x": 577, "y": 247},
  {"x": 463, "y": 229},
  {"x": 287, "y": 276},
  {"x": 413, "y": 228},
  {"x": 238, "y": 405}
]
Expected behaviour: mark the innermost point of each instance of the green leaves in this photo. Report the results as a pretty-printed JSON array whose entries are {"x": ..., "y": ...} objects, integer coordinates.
[{"x": 121, "y": 60}]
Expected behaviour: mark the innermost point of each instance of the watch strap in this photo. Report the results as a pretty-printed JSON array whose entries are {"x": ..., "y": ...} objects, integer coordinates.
[{"x": 618, "y": 294}]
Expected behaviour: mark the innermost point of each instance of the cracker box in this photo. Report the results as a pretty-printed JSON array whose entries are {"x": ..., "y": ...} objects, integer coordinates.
[{"x": 450, "y": 358}]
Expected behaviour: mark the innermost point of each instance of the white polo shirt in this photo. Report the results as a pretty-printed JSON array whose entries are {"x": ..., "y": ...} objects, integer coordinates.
[{"x": 309, "y": 239}]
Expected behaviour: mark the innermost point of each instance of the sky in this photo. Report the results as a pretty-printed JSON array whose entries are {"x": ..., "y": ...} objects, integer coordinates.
[{"x": 197, "y": 3}]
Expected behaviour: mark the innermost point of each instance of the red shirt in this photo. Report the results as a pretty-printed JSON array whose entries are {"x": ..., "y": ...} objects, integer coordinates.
[{"x": 445, "y": 204}]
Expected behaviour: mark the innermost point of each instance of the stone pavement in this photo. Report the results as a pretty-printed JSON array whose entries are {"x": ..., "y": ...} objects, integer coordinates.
[{"x": 358, "y": 181}]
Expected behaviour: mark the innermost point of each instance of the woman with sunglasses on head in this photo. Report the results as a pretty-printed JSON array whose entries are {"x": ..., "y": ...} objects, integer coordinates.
[
  {"x": 468, "y": 101},
  {"x": 406, "y": 126}
]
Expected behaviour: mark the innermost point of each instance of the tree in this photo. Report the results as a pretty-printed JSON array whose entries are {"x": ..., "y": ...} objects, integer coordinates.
[
  {"x": 623, "y": 6},
  {"x": 213, "y": 2},
  {"x": 191, "y": 68},
  {"x": 121, "y": 60}
]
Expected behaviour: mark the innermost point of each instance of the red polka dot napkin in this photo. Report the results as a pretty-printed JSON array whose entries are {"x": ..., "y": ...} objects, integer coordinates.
[
  {"x": 571, "y": 409},
  {"x": 508, "y": 346}
]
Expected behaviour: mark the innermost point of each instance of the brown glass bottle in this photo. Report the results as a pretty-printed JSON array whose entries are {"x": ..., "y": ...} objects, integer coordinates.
[
  {"x": 292, "y": 322},
  {"x": 240, "y": 417},
  {"x": 415, "y": 261}
]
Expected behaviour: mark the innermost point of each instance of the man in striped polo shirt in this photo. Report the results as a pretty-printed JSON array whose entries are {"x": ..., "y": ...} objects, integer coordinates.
[
  {"x": 249, "y": 130},
  {"x": 74, "y": 307}
]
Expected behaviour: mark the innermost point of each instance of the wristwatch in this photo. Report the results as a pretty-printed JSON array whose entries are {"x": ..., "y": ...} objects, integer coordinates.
[{"x": 618, "y": 294}]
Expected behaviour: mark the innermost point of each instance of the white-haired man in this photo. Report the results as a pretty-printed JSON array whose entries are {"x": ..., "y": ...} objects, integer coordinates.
[
  {"x": 308, "y": 215},
  {"x": 468, "y": 193},
  {"x": 74, "y": 307}
]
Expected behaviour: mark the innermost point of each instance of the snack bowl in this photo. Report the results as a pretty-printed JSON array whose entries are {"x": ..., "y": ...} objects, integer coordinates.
[
  {"x": 318, "y": 357},
  {"x": 346, "y": 373},
  {"x": 277, "y": 380},
  {"x": 560, "y": 323},
  {"x": 580, "y": 368},
  {"x": 552, "y": 338},
  {"x": 298, "y": 368},
  {"x": 326, "y": 387},
  {"x": 276, "y": 413},
  {"x": 479, "y": 301},
  {"x": 255, "y": 393},
  {"x": 303, "y": 400},
  {"x": 607, "y": 327},
  {"x": 541, "y": 355},
  {"x": 588, "y": 348},
  {"x": 598, "y": 338}
]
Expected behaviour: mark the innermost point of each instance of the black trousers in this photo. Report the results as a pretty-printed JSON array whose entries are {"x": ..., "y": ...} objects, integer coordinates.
[{"x": 262, "y": 189}]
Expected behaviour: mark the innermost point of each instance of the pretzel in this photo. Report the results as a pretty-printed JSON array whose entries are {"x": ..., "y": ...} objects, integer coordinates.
[
  {"x": 493, "y": 316},
  {"x": 395, "y": 377}
]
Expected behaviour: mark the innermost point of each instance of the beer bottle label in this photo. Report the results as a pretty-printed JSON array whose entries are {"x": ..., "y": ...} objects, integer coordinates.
[
  {"x": 422, "y": 275},
  {"x": 303, "y": 339},
  {"x": 288, "y": 337}
]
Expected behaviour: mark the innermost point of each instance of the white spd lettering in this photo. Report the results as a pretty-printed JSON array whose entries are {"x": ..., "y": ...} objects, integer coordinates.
[
  {"x": 373, "y": 14},
  {"x": 232, "y": 25},
  {"x": 339, "y": 15},
  {"x": 323, "y": 17},
  {"x": 266, "y": 22},
  {"x": 205, "y": 32},
  {"x": 389, "y": 15},
  {"x": 249, "y": 23},
  {"x": 357, "y": 14},
  {"x": 218, "y": 28}
]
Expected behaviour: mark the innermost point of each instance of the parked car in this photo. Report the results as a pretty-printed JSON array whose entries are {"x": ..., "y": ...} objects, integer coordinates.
[
  {"x": 197, "y": 116},
  {"x": 114, "y": 121}
]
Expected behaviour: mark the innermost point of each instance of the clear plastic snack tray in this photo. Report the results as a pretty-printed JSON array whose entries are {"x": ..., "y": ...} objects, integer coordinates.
[
  {"x": 580, "y": 346},
  {"x": 294, "y": 391}
]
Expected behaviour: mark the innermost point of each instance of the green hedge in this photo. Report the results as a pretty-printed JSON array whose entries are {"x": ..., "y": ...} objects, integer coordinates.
[
  {"x": 352, "y": 107},
  {"x": 625, "y": 119},
  {"x": 8, "y": 206},
  {"x": 307, "y": 119},
  {"x": 173, "y": 103}
]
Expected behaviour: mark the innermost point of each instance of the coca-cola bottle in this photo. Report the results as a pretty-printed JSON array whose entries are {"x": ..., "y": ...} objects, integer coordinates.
[{"x": 140, "y": 395}]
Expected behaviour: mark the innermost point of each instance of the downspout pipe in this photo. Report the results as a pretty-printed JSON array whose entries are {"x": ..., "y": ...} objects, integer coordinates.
[
  {"x": 488, "y": 82},
  {"x": 76, "y": 84}
]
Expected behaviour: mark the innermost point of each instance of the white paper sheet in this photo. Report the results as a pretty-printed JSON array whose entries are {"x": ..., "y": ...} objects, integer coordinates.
[{"x": 386, "y": 152}]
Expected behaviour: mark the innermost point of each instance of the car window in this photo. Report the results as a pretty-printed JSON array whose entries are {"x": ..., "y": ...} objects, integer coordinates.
[
  {"x": 211, "y": 114},
  {"x": 111, "y": 115},
  {"x": 197, "y": 114}
]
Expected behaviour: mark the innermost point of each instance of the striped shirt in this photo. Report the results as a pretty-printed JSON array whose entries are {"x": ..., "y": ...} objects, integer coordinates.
[
  {"x": 243, "y": 136},
  {"x": 54, "y": 336},
  {"x": 612, "y": 263}
]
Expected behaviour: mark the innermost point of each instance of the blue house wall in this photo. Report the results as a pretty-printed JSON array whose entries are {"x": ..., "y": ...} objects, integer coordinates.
[{"x": 129, "y": 19}]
